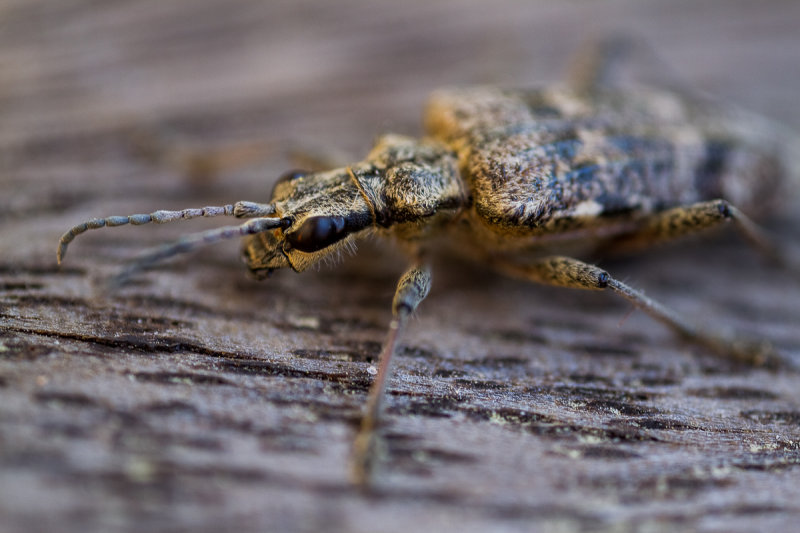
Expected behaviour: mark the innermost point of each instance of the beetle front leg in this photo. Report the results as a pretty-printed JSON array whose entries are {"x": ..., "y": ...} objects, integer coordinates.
[
  {"x": 571, "y": 273},
  {"x": 412, "y": 288}
]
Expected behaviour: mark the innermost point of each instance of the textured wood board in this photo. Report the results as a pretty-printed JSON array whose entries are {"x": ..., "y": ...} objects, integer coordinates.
[{"x": 199, "y": 399}]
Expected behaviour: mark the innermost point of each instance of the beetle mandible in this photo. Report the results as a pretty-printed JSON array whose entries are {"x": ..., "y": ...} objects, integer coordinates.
[{"x": 523, "y": 180}]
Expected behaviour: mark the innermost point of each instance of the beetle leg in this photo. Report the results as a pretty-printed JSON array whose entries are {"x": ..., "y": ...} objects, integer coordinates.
[
  {"x": 317, "y": 159},
  {"x": 199, "y": 165},
  {"x": 593, "y": 66},
  {"x": 571, "y": 273},
  {"x": 412, "y": 288},
  {"x": 686, "y": 220}
]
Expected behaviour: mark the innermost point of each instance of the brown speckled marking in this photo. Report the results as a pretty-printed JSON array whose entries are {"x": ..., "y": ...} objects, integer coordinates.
[
  {"x": 517, "y": 179},
  {"x": 534, "y": 158}
]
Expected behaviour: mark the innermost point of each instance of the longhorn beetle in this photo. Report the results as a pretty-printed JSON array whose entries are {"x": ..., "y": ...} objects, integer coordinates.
[{"x": 522, "y": 180}]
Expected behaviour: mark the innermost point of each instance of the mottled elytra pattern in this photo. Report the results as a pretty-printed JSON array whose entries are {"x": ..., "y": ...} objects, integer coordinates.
[
  {"x": 521, "y": 180},
  {"x": 197, "y": 399},
  {"x": 552, "y": 160}
]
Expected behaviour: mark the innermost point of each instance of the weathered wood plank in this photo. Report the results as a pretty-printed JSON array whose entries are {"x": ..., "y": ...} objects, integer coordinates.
[{"x": 199, "y": 399}]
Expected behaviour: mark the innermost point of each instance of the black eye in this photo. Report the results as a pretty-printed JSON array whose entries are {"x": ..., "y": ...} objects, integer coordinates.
[
  {"x": 317, "y": 233},
  {"x": 290, "y": 175}
]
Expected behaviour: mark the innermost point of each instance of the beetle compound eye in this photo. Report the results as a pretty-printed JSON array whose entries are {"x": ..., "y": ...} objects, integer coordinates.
[
  {"x": 317, "y": 233},
  {"x": 288, "y": 176}
]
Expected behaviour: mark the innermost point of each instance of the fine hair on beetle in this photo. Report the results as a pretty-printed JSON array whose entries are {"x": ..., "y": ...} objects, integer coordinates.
[{"x": 528, "y": 182}]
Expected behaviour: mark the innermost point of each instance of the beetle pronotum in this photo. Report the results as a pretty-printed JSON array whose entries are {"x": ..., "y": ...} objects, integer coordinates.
[{"x": 517, "y": 179}]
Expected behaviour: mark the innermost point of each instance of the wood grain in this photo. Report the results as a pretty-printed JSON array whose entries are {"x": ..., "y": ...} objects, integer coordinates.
[{"x": 198, "y": 399}]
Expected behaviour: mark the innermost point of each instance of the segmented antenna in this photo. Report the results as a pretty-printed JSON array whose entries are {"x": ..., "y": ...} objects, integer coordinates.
[
  {"x": 193, "y": 241},
  {"x": 239, "y": 209}
]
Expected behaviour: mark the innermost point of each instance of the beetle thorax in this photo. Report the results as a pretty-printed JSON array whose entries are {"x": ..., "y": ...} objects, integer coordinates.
[
  {"x": 405, "y": 187},
  {"x": 412, "y": 185}
]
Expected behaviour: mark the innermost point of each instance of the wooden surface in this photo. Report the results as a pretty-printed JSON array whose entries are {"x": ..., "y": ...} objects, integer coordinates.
[{"x": 197, "y": 399}]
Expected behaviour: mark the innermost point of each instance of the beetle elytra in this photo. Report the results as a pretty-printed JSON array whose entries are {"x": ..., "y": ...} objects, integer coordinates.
[{"x": 526, "y": 181}]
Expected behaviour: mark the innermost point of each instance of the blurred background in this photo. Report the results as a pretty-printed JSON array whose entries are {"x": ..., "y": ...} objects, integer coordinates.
[
  {"x": 154, "y": 81},
  {"x": 129, "y": 411},
  {"x": 280, "y": 70}
]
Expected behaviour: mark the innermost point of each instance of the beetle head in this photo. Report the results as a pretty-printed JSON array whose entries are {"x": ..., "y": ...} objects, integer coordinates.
[
  {"x": 320, "y": 213},
  {"x": 405, "y": 188}
]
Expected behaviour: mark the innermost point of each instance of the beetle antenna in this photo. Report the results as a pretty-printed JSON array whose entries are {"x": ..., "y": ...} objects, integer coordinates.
[
  {"x": 239, "y": 209},
  {"x": 191, "y": 242}
]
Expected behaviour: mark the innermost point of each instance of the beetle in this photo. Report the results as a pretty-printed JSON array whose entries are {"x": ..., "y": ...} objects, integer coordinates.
[{"x": 525, "y": 181}]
